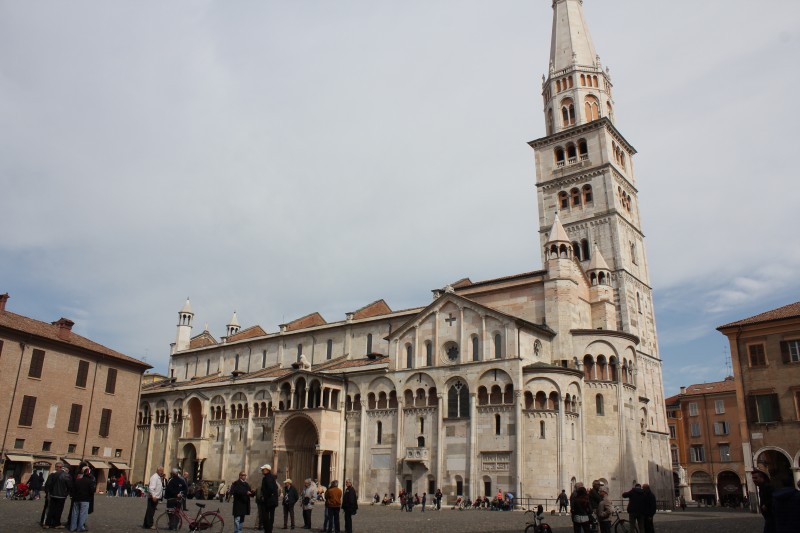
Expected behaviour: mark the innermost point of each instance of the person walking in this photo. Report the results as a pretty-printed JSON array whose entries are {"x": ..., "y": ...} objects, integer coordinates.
[
  {"x": 35, "y": 483},
  {"x": 349, "y": 505},
  {"x": 650, "y": 508},
  {"x": 765, "y": 492},
  {"x": 290, "y": 498},
  {"x": 581, "y": 510},
  {"x": 10, "y": 484},
  {"x": 333, "y": 503},
  {"x": 155, "y": 490},
  {"x": 221, "y": 491},
  {"x": 269, "y": 494},
  {"x": 562, "y": 502},
  {"x": 308, "y": 496},
  {"x": 241, "y": 493},
  {"x": 82, "y": 492},
  {"x": 424, "y": 500},
  {"x": 604, "y": 510}
]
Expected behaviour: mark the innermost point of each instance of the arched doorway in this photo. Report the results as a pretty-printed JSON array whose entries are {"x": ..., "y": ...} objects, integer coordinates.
[
  {"x": 703, "y": 489},
  {"x": 777, "y": 465},
  {"x": 298, "y": 443},
  {"x": 194, "y": 429},
  {"x": 729, "y": 488},
  {"x": 190, "y": 464}
]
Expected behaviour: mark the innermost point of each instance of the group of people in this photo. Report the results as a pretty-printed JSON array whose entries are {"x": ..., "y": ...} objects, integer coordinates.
[
  {"x": 29, "y": 490},
  {"x": 779, "y": 507},
  {"x": 268, "y": 495},
  {"x": 59, "y": 486},
  {"x": 589, "y": 506}
]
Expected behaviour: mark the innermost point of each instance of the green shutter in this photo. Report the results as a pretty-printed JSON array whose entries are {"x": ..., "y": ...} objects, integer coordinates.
[{"x": 785, "y": 357}]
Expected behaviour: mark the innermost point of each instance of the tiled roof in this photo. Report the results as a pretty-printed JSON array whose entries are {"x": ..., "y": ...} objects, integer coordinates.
[
  {"x": 308, "y": 321},
  {"x": 355, "y": 363},
  {"x": 728, "y": 385},
  {"x": 249, "y": 333},
  {"x": 499, "y": 280},
  {"x": 787, "y": 311},
  {"x": 51, "y": 332},
  {"x": 202, "y": 340},
  {"x": 376, "y": 308}
]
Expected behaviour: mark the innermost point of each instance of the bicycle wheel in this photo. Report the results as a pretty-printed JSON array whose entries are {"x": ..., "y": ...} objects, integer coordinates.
[
  {"x": 530, "y": 529},
  {"x": 622, "y": 527},
  {"x": 163, "y": 521},
  {"x": 210, "y": 522}
]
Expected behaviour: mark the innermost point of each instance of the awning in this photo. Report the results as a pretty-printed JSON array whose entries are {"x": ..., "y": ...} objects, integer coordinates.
[
  {"x": 98, "y": 464},
  {"x": 19, "y": 458},
  {"x": 120, "y": 466},
  {"x": 71, "y": 462}
]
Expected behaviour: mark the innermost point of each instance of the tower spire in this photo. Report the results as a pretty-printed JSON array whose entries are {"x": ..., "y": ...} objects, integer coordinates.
[{"x": 570, "y": 44}]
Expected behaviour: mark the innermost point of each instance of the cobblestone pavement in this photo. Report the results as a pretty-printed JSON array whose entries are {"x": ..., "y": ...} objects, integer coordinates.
[{"x": 125, "y": 515}]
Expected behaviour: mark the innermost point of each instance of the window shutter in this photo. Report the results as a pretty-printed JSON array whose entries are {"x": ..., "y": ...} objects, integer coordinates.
[
  {"x": 75, "y": 418},
  {"x": 37, "y": 363},
  {"x": 83, "y": 373},
  {"x": 752, "y": 412},
  {"x": 775, "y": 406},
  {"x": 111, "y": 382},
  {"x": 28, "y": 408},
  {"x": 105, "y": 422},
  {"x": 785, "y": 352}
]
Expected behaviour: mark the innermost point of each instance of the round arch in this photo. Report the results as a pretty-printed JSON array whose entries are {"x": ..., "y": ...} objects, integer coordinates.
[
  {"x": 777, "y": 463},
  {"x": 295, "y": 444}
]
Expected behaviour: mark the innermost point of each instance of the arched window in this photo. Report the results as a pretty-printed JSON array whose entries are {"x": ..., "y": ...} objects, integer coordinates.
[
  {"x": 476, "y": 356},
  {"x": 563, "y": 200},
  {"x": 497, "y": 423},
  {"x": 409, "y": 356},
  {"x": 591, "y": 108},
  {"x": 572, "y": 154},
  {"x": 422, "y": 424},
  {"x": 575, "y": 194},
  {"x": 498, "y": 346},
  {"x": 587, "y": 194},
  {"x": 569, "y": 82},
  {"x": 369, "y": 343},
  {"x": 421, "y": 441},
  {"x": 428, "y": 353},
  {"x": 583, "y": 80},
  {"x": 379, "y": 433},
  {"x": 583, "y": 149},
  {"x": 236, "y": 362},
  {"x": 576, "y": 250},
  {"x": 588, "y": 367},
  {"x": 559, "y": 155},
  {"x": 567, "y": 112},
  {"x": 458, "y": 400},
  {"x": 558, "y": 86},
  {"x": 329, "y": 351},
  {"x": 585, "y": 246},
  {"x": 299, "y": 351},
  {"x": 598, "y": 404},
  {"x": 542, "y": 431}
]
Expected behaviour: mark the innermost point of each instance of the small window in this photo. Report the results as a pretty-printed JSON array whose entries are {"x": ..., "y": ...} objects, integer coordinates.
[
  {"x": 105, "y": 422},
  {"x": 585, "y": 248},
  {"x": 118, "y": 452},
  {"x": 208, "y": 367},
  {"x": 673, "y": 432},
  {"x": 299, "y": 351},
  {"x": 598, "y": 402},
  {"x": 476, "y": 356},
  {"x": 692, "y": 409},
  {"x": 379, "y": 433},
  {"x": 111, "y": 380},
  {"x": 721, "y": 428},
  {"x": 429, "y": 353},
  {"x": 369, "y": 343},
  {"x": 422, "y": 424},
  {"x": 497, "y": 423},
  {"x": 263, "y": 361},
  {"x": 697, "y": 454},
  {"x": 409, "y": 357},
  {"x": 236, "y": 362},
  {"x": 46, "y": 445},
  {"x": 587, "y": 194},
  {"x": 790, "y": 351},
  {"x": 19, "y": 444},
  {"x": 27, "y": 411},
  {"x": 719, "y": 406},
  {"x": 83, "y": 374},
  {"x": 758, "y": 356},
  {"x": 459, "y": 487},
  {"x": 724, "y": 453},
  {"x": 71, "y": 448},
  {"x": 498, "y": 346},
  {"x": 329, "y": 351},
  {"x": 95, "y": 450},
  {"x": 695, "y": 429},
  {"x": 542, "y": 430},
  {"x": 563, "y": 200},
  {"x": 37, "y": 364}
]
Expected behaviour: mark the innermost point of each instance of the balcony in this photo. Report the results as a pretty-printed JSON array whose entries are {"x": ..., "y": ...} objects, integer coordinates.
[{"x": 417, "y": 454}]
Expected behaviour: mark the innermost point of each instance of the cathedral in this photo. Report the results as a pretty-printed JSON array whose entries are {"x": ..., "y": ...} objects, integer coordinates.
[{"x": 526, "y": 383}]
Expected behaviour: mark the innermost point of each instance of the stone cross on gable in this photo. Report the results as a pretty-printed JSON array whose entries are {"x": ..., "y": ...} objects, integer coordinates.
[{"x": 450, "y": 319}]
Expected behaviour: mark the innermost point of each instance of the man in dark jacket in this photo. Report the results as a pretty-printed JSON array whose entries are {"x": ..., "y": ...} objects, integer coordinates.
[
  {"x": 175, "y": 487},
  {"x": 290, "y": 497},
  {"x": 349, "y": 505},
  {"x": 636, "y": 507},
  {"x": 241, "y": 492},
  {"x": 650, "y": 508},
  {"x": 765, "y": 490},
  {"x": 82, "y": 493},
  {"x": 58, "y": 487},
  {"x": 269, "y": 494}
]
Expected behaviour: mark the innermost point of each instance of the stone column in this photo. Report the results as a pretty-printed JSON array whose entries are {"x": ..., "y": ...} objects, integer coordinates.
[
  {"x": 167, "y": 442},
  {"x": 361, "y": 482},
  {"x": 440, "y": 440},
  {"x": 223, "y": 463},
  {"x": 483, "y": 338},
  {"x": 320, "y": 453},
  {"x": 400, "y": 452},
  {"x": 291, "y": 398},
  {"x": 473, "y": 446},
  {"x": 148, "y": 463},
  {"x": 519, "y": 452},
  {"x": 461, "y": 348},
  {"x": 415, "y": 348}
]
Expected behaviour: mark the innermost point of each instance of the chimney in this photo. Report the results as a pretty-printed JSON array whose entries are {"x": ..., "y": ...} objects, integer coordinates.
[
  {"x": 683, "y": 390},
  {"x": 3, "y": 300},
  {"x": 64, "y": 328}
]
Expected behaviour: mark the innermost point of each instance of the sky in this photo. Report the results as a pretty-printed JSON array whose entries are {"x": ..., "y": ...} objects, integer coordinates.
[{"x": 279, "y": 158}]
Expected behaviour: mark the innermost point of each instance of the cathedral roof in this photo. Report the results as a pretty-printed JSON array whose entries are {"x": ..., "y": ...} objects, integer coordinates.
[
  {"x": 376, "y": 308},
  {"x": 308, "y": 321},
  {"x": 781, "y": 313},
  {"x": 249, "y": 333},
  {"x": 202, "y": 340},
  {"x": 570, "y": 42}
]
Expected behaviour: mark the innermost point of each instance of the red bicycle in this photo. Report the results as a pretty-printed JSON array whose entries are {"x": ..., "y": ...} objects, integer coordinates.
[{"x": 173, "y": 518}]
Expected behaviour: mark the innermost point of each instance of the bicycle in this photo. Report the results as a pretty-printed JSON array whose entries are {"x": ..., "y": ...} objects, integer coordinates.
[
  {"x": 620, "y": 525},
  {"x": 172, "y": 519},
  {"x": 538, "y": 525}
]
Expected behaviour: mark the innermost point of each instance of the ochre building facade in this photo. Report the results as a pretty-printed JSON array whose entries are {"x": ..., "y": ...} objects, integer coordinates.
[{"x": 526, "y": 383}]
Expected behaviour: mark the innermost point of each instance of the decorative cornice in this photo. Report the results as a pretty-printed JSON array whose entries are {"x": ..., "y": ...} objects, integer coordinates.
[
  {"x": 495, "y": 408},
  {"x": 420, "y": 410},
  {"x": 605, "y": 333}
]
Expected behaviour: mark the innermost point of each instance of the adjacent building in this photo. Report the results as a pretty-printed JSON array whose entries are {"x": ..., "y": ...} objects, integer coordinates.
[
  {"x": 64, "y": 397},
  {"x": 707, "y": 461},
  {"x": 765, "y": 350},
  {"x": 526, "y": 383}
]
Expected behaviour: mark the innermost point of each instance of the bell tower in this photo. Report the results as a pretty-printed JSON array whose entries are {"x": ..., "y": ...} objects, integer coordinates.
[{"x": 585, "y": 177}]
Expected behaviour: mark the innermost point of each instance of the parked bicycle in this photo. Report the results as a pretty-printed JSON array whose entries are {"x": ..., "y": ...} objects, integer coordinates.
[
  {"x": 173, "y": 518},
  {"x": 538, "y": 524},
  {"x": 620, "y": 525}
]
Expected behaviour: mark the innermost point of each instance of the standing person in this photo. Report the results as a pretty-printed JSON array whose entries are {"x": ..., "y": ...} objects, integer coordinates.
[
  {"x": 604, "y": 510},
  {"x": 175, "y": 487},
  {"x": 636, "y": 507},
  {"x": 650, "y": 508},
  {"x": 349, "y": 505},
  {"x": 58, "y": 487},
  {"x": 424, "y": 500},
  {"x": 765, "y": 490},
  {"x": 581, "y": 511},
  {"x": 155, "y": 492},
  {"x": 290, "y": 498},
  {"x": 221, "y": 491},
  {"x": 82, "y": 492},
  {"x": 438, "y": 497},
  {"x": 269, "y": 493},
  {"x": 10, "y": 484},
  {"x": 241, "y": 493},
  {"x": 562, "y": 502},
  {"x": 121, "y": 485},
  {"x": 682, "y": 501},
  {"x": 594, "y": 494},
  {"x": 308, "y": 496},
  {"x": 333, "y": 503},
  {"x": 35, "y": 483}
]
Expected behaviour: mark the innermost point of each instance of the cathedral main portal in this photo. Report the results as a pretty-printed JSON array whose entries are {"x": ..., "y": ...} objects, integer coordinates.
[{"x": 298, "y": 453}]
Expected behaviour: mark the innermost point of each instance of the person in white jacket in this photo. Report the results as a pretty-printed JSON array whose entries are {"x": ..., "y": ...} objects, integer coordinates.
[
  {"x": 155, "y": 493},
  {"x": 307, "y": 501},
  {"x": 11, "y": 483}
]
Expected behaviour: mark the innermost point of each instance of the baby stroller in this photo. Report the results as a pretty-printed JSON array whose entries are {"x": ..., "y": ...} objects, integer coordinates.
[{"x": 22, "y": 492}]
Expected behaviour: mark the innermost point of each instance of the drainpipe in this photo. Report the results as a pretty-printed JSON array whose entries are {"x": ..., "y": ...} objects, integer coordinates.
[{"x": 89, "y": 414}]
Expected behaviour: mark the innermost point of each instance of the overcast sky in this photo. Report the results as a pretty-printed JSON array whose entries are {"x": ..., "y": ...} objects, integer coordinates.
[{"x": 278, "y": 158}]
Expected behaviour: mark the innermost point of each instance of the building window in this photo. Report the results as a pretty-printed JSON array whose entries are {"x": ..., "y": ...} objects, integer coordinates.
[
  {"x": 75, "y": 418},
  {"x": 542, "y": 430},
  {"x": 369, "y": 343},
  {"x": 105, "y": 422},
  {"x": 758, "y": 356},
  {"x": 719, "y": 406},
  {"x": 19, "y": 444},
  {"x": 111, "y": 381},
  {"x": 208, "y": 367},
  {"x": 587, "y": 194},
  {"x": 763, "y": 408},
  {"x": 585, "y": 246},
  {"x": 458, "y": 400},
  {"x": 725, "y": 453},
  {"x": 422, "y": 424},
  {"x": 71, "y": 448},
  {"x": 790, "y": 351},
  {"x": 695, "y": 431},
  {"x": 299, "y": 352},
  {"x": 476, "y": 356},
  {"x": 598, "y": 405},
  {"x": 428, "y": 353},
  {"x": 95, "y": 450},
  {"x": 673, "y": 434},
  {"x": 697, "y": 454},
  {"x": 28, "y": 408},
  {"x": 409, "y": 357},
  {"x": 674, "y": 454},
  {"x": 498, "y": 346},
  {"x": 83, "y": 374},
  {"x": 46, "y": 445},
  {"x": 118, "y": 452},
  {"x": 459, "y": 487},
  {"x": 721, "y": 428},
  {"x": 497, "y": 423},
  {"x": 379, "y": 433},
  {"x": 563, "y": 198},
  {"x": 236, "y": 362},
  {"x": 37, "y": 363},
  {"x": 575, "y": 194},
  {"x": 692, "y": 409},
  {"x": 328, "y": 350}
]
